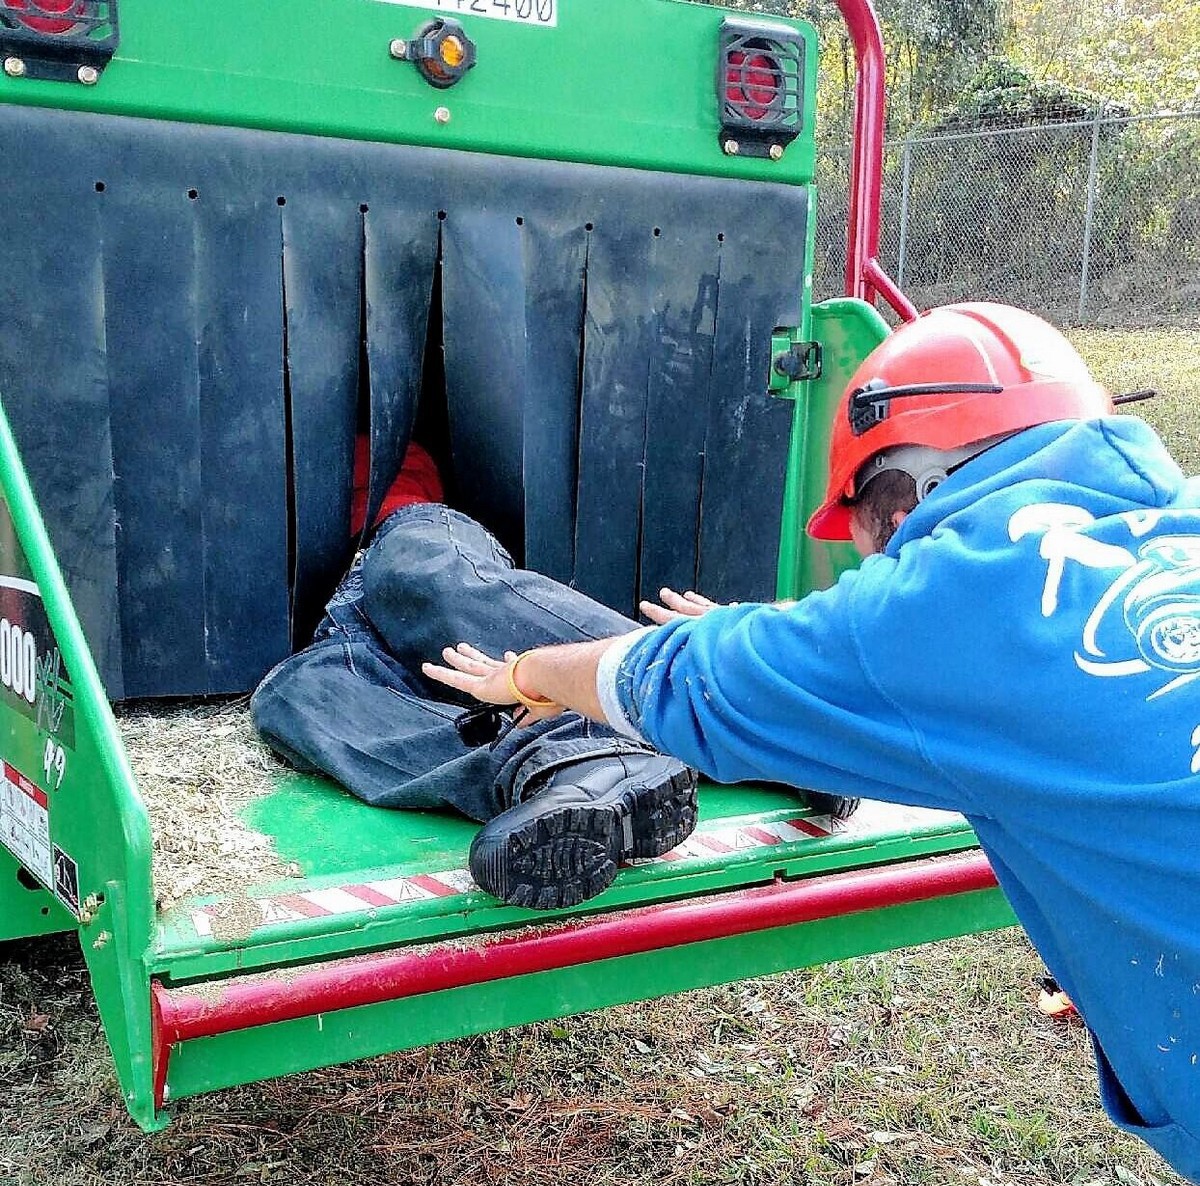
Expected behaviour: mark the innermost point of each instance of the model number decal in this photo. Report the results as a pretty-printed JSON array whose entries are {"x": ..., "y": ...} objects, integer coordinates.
[
  {"x": 526, "y": 12},
  {"x": 18, "y": 660}
]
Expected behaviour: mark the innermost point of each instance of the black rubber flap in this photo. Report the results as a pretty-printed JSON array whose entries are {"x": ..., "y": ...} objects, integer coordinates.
[
  {"x": 483, "y": 293},
  {"x": 55, "y": 388},
  {"x": 401, "y": 254},
  {"x": 196, "y": 318},
  {"x": 323, "y": 285}
]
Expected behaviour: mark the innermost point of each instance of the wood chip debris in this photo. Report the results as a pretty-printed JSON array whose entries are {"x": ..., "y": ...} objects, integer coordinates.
[{"x": 197, "y": 767}]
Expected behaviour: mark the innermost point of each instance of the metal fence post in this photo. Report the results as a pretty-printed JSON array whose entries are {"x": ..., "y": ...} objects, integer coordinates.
[
  {"x": 1090, "y": 212},
  {"x": 904, "y": 192}
]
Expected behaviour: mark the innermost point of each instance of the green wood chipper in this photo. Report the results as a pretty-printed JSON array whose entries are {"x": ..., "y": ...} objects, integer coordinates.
[{"x": 567, "y": 242}]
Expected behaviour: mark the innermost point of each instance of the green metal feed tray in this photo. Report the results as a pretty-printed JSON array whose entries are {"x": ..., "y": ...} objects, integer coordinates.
[{"x": 583, "y": 230}]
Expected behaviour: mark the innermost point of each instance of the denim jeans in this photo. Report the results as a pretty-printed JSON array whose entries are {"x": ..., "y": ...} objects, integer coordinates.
[{"x": 354, "y": 705}]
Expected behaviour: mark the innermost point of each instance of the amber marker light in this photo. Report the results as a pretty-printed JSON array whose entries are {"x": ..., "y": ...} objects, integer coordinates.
[{"x": 441, "y": 51}]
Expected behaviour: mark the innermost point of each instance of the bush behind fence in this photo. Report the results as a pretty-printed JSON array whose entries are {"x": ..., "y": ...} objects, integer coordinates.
[{"x": 1096, "y": 221}]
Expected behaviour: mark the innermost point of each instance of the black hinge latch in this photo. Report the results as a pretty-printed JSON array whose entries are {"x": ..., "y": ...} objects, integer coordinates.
[{"x": 802, "y": 361}]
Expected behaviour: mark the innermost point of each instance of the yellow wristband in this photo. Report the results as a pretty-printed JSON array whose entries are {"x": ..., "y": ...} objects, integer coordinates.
[{"x": 518, "y": 695}]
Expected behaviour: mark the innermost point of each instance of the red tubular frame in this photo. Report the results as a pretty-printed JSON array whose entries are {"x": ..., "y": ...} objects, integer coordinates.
[
  {"x": 865, "y": 276},
  {"x": 180, "y": 1015}
]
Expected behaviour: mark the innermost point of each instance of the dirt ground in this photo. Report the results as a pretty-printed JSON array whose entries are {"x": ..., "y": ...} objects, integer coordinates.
[
  {"x": 922, "y": 1066},
  {"x": 928, "y": 1066}
]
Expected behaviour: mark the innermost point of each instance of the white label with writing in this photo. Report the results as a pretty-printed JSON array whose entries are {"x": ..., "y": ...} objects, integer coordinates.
[
  {"x": 25, "y": 823},
  {"x": 543, "y": 13}
]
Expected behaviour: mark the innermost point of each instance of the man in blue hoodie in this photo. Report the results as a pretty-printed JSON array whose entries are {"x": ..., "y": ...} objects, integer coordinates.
[{"x": 1021, "y": 644}]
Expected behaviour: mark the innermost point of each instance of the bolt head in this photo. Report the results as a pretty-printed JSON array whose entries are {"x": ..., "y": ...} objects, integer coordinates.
[
  {"x": 442, "y": 115},
  {"x": 731, "y": 147},
  {"x": 14, "y": 67},
  {"x": 398, "y": 48},
  {"x": 776, "y": 152},
  {"x": 88, "y": 75}
]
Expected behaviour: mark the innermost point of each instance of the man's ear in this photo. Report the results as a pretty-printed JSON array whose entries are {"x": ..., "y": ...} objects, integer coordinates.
[{"x": 898, "y": 517}]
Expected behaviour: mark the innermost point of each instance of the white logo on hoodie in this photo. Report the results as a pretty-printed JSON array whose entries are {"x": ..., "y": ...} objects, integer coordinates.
[{"x": 1152, "y": 602}]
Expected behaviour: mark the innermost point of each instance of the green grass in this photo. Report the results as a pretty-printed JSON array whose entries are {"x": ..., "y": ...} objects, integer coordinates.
[
  {"x": 1165, "y": 359},
  {"x": 919, "y": 1066}
]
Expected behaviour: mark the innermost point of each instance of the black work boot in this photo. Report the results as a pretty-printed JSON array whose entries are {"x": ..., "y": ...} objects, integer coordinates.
[
  {"x": 563, "y": 842},
  {"x": 835, "y": 806}
]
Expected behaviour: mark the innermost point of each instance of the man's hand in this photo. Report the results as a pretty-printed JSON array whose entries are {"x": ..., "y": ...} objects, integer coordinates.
[
  {"x": 675, "y": 606},
  {"x": 469, "y": 670},
  {"x": 564, "y": 674}
]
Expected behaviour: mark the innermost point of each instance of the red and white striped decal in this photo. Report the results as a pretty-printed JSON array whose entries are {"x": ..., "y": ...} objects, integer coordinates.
[
  {"x": 703, "y": 844},
  {"x": 366, "y": 897}
]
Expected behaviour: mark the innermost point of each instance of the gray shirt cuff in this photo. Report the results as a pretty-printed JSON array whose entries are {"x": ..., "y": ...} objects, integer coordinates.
[{"x": 606, "y": 682}]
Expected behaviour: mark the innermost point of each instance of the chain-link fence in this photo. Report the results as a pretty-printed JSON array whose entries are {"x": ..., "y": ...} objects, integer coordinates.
[{"x": 1095, "y": 221}]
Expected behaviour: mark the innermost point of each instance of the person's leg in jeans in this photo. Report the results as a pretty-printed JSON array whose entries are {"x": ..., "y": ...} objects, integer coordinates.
[
  {"x": 347, "y": 708},
  {"x": 568, "y": 799},
  {"x": 438, "y": 577},
  {"x": 433, "y": 576}
]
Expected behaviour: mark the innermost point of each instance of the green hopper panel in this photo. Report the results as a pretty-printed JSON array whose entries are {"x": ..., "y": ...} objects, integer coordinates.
[{"x": 71, "y": 815}]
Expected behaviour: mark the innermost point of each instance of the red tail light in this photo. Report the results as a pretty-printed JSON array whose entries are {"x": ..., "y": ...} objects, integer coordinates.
[
  {"x": 754, "y": 83},
  {"x": 52, "y": 17},
  {"x": 760, "y": 86}
]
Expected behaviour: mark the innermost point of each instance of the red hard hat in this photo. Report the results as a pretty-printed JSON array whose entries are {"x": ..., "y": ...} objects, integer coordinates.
[{"x": 954, "y": 376}]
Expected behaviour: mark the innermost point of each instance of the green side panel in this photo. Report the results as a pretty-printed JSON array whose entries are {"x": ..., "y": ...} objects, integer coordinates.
[
  {"x": 267, "y": 1051},
  {"x": 848, "y": 330},
  {"x": 625, "y": 82},
  {"x": 69, "y": 810},
  {"x": 27, "y": 908}
]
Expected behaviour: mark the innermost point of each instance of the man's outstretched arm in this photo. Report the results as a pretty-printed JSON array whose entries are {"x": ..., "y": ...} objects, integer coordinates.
[{"x": 566, "y": 675}]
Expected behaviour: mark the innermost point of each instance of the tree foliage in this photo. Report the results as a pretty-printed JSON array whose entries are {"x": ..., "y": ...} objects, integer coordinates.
[
  {"x": 1002, "y": 94},
  {"x": 1143, "y": 54}
]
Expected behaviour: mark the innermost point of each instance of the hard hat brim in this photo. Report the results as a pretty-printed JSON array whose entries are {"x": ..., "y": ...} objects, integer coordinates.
[{"x": 831, "y": 522}]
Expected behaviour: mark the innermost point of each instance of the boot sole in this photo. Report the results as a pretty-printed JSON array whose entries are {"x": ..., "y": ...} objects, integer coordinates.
[
  {"x": 568, "y": 856},
  {"x": 837, "y": 807}
]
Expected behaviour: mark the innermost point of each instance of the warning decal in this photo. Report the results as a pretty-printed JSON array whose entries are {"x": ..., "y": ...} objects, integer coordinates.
[
  {"x": 66, "y": 880},
  {"x": 25, "y": 824},
  {"x": 873, "y": 822}
]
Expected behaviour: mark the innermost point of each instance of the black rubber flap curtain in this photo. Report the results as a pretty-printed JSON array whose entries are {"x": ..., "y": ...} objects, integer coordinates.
[{"x": 199, "y": 322}]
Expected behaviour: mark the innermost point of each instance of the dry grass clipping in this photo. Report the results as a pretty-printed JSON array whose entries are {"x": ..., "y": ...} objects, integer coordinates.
[{"x": 197, "y": 767}]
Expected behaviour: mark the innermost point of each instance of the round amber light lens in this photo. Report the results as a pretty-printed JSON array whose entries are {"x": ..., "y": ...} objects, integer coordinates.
[{"x": 453, "y": 52}]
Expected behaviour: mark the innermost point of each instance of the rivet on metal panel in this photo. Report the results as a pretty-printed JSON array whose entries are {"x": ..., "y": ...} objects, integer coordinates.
[
  {"x": 776, "y": 152},
  {"x": 442, "y": 115},
  {"x": 88, "y": 75},
  {"x": 14, "y": 67},
  {"x": 398, "y": 49},
  {"x": 732, "y": 147},
  {"x": 101, "y": 941}
]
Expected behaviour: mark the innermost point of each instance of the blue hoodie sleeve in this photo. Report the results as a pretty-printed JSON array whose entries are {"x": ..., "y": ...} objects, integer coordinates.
[{"x": 777, "y": 694}]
